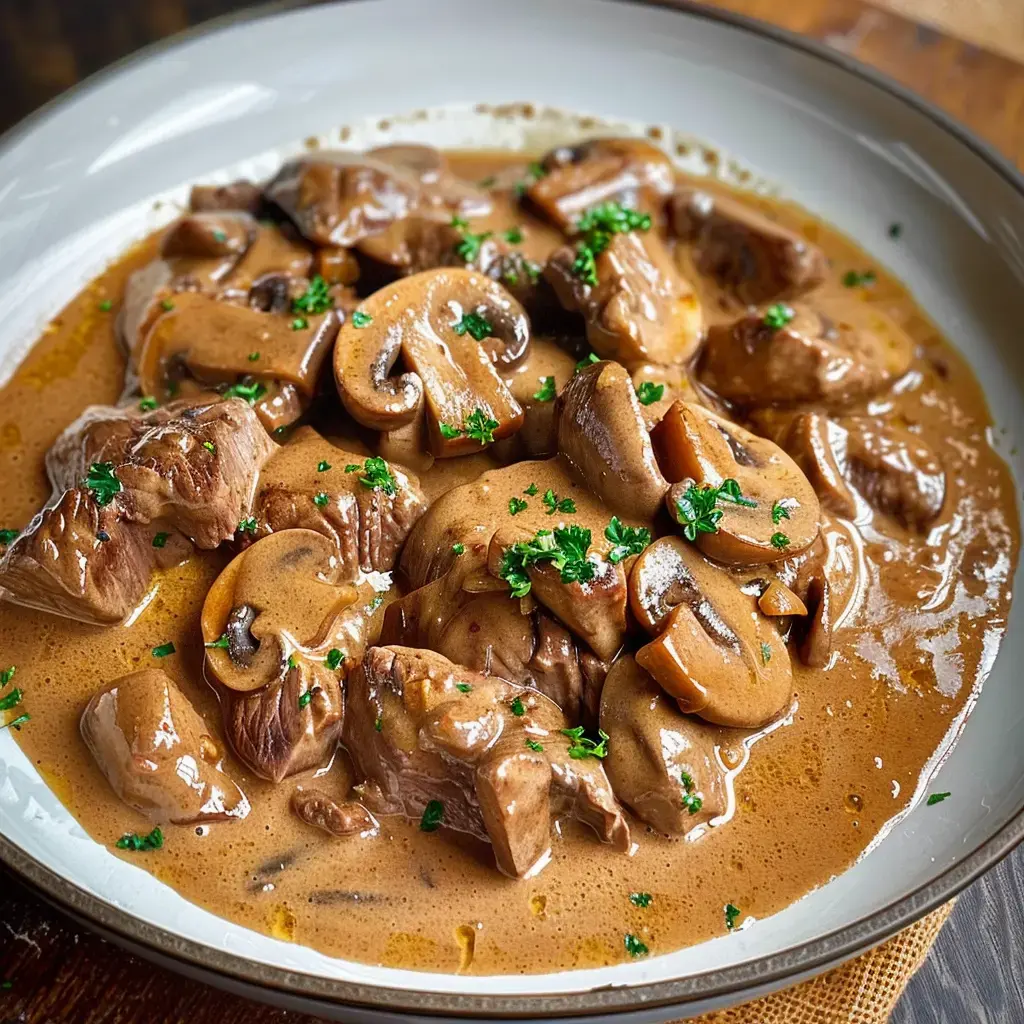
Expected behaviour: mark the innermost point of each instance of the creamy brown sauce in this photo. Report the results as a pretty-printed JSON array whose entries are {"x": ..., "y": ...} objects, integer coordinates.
[{"x": 815, "y": 791}]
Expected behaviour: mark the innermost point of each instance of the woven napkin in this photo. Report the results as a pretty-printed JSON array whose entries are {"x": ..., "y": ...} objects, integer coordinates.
[{"x": 864, "y": 991}]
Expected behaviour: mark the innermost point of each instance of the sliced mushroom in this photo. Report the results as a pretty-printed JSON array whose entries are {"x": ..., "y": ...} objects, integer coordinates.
[
  {"x": 641, "y": 310},
  {"x": 311, "y": 484},
  {"x": 158, "y": 754},
  {"x": 629, "y": 171},
  {"x": 669, "y": 768},
  {"x": 602, "y": 434},
  {"x": 345, "y": 819},
  {"x": 429, "y": 319},
  {"x": 844, "y": 351},
  {"x": 775, "y": 513},
  {"x": 753, "y": 257},
  {"x": 777, "y": 600},
  {"x": 715, "y": 652}
]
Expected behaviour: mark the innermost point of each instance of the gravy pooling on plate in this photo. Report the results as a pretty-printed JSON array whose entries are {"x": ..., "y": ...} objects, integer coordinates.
[{"x": 461, "y": 563}]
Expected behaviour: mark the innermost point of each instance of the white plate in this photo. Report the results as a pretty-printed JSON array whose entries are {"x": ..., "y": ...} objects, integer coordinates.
[{"x": 78, "y": 182}]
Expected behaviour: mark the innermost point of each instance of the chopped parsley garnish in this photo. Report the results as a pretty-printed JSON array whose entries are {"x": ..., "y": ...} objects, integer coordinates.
[
  {"x": 7, "y": 675},
  {"x": 220, "y": 236},
  {"x": 691, "y": 801},
  {"x": 306, "y": 697},
  {"x": 583, "y": 746},
  {"x": 315, "y": 299},
  {"x": 335, "y": 658},
  {"x": 147, "y": 403},
  {"x": 489, "y": 182},
  {"x": 300, "y": 323},
  {"x": 468, "y": 248},
  {"x": 352, "y": 467},
  {"x": 458, "y": 549},
  {"x": 292, "y": 663},
  {"x": 252, "y": 392},
  {"x": 729, "y": 490},
  {"x": 163, "y": 650},
  {"x": 11, "y": 700},
  {"x": 640, "y": 899},
  {"x": 937, "y": 798},
  {"x": 210, "y": 446},
  {"x": 513, "y": 236},
  {"x": 697, "y": 511},
  {"x": 628, "y": 540},
  {"x": 247, "y": 525},
  {"x": 253, "y": 356},
  {"x": 565, "y": 548},
  {"x": 480, "y": 427},
  {"x": 448, "y": 431},
  {"x": 731, "y": 913},
  {"x": 376, "y": 474},
  {"x": 779, "y": 541},
  {"x": 320, "y": 499},
  {"x": 535, "y": 746},
  {"x": 516, "y": 505},
  {"x": 379, "y": 724},
  {"x": 778, "y": 316},
  {"x": 766, "y": 653},
  {"x": 17, "y": 723},
  {"x": 531, "y": 490},
  {"x": 221, "y": 642},
  {"x": 597, "y": 226},
  {"x": 566, "y": 505},
  {"x": 634, "y": 947},
  {"x": 375, "y": 603},
  {"x": 133, "y": 841},
  {"x": 463, "y": 687},
  {"x": 322, "y": 466},
  {"x": 433, "y": 814},
  {"x": 895, "y": 229},
  {"x": 361, "y": 319},
  {"x": 105, "y": 306},
  {"x": 858, "y": 278},
  {"x": 780, "y": 511},
  {"x": 518, "y": 708},
  {"x": 102, "y": 482},
  {"x": 587, "y": 360},
  {"x": 648, "y": 393},
  {"x": 534, "y": 172},
  {"x": 166, "y": 305},
  {"x": 474, "y": 324},
  {"x": 546, "y": 392},
  {"x": 8, "y": 537}
]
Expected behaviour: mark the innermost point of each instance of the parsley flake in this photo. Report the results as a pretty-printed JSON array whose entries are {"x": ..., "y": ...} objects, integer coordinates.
[
  {"x": 448, "y": 431},
  {"x": 147, "y": 403},
  {"x": 648, "y": 393},
  {"x": 858, "y": 278},
  {"x": 597, "y": 226},
  {"x": 531, "y": 490},
  {"x": 566, "y": 505},
  {"x": 766, "y": 653},
  {"x": 8, "y": 537},
  {"x": 640, "y": 899},
  {"x": 306, "y": 697},
  {"x": 361, "y": 319},
  {"x": 779, "y": 541},
  {"x": 253, "y": 356},
  {"x": 247, "y": 525},
  {"x": 513, "y": 236},
  {"x": 463, "y": 687},
  {"x": 105, "y": 306},
  {"x": 322, "y": 466},
  {"x": 535, "y": 746},
  {"x": 11, "y": 700},
  {"x": 780, "y": 510},
  {"x": 546, "y": 392},
  {"x": 300, "y": 323},
  {"x": 565, "y": 548},
  {"x": 376, "y": 475},
  {"x": 163, "y": 650},
  {"x": 731, "y": 913},
  {"x": 516, "y": 505},
  {"x": 480, "y": 427},
  {"x": 17, "y": 723},
  {"x": 315, "y": 299},
  {"x": 937, "y": 798},
  {"x": 210, "y": 446},
  {"x": 320, "y": 499},
  {"x": 634, "y": 947},
  {"x": 468, "y": 249},
  {"x": 474, "y": 324},
  {"x": 458, "y": 549},
  {"x": 221, "y": 642},
  {"x": 379, "y": 724},
  {"x": 102, "y": 481},
  {"x": 587, "y": 360},
  {"x": 628, "y": 540},
  {"x": 583, "y": 746},
  {"x": 335, "y": 658},
  {"x": 777, "y": 316},
  {"x": 691, "y": 801},
  {"x": 166, "y": 305},
  {"x": 518, "y": 708},
  {"x": 251, "y": 392},
  {"x": 133, "y": 841},
  {"x": 433, "y": 814}
]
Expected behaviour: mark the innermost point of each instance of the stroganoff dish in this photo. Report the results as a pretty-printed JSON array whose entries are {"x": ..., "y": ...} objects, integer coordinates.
[{"x": 460, "y": 562}]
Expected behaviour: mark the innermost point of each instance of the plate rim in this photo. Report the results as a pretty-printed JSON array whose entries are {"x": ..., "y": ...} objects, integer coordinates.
[{"x": 762, "y": 973}]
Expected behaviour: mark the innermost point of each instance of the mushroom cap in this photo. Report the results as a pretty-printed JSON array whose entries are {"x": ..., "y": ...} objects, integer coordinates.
[
  {"x": 419, "y": 318},
  {"x": 715, "y": 652},
  {"x": 698, "y": 449}
]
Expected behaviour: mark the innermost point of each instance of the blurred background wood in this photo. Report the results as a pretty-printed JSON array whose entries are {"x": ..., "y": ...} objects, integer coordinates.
[{"x": 60, "y": 973}]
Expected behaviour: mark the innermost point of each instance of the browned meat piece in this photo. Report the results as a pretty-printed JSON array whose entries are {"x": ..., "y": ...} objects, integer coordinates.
[
  {"x": 714, "y": 651},
  {"x": 774, "y": 511},
  {"x": 632, "y": 172},
  {"x": 119, "y": 479},
  {"x": 441, "y": 187},
  {"x": 602, "y": 434},
  {"x": 456, "y": 333},
  {"x": 366, "y": 516},
  {"x": 157, "y": 753},
  {"x": 640, "y": 310},
  {"x": 492, "y": 754},
  {"x": 237, "y": 195},
  {"x": 666, "y": 766},
  {"x": 754, "y": 258},
  {"x": 282, "y": 625},
  {"x": 322, "y": 811},
  {"x": 839, "y": 354}
]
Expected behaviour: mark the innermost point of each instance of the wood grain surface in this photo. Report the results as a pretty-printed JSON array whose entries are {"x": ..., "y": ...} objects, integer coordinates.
[{"x": 58, "y": 972}]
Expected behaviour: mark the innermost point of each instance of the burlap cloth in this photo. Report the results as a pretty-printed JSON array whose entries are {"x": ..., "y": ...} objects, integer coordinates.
[{"x": 864, "y": 991}]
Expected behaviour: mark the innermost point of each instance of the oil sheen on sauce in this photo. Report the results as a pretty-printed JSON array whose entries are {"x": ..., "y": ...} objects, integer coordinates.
[{"x": 814, "y": 791}]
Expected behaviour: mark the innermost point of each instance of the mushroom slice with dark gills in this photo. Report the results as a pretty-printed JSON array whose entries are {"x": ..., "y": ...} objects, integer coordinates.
[
  {"x": 120, "y": 478},
  {"x": 271, "y": 360},
  {"x": 576, "y": 178},
  {"x": 636, "y": 305},
  {"x": 835, "y": 351},
  {"x": 435, "y": 741},
  {"x": 455, "y": 333},
  {"x": 738, "y": 496},
  {"x": 158, "y": 754},
  {"x": 670, "y": 769},
  {"x": 749, "y": 255},
  {"x": 714, "y": 651},
  {"x": 364, "y": 506},
  {"x": 281, "y": 629},
  {"x": 602, "y": 434}
]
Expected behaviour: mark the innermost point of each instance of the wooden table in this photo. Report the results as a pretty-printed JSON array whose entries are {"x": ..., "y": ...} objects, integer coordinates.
[{"x": 59, "y": 972}]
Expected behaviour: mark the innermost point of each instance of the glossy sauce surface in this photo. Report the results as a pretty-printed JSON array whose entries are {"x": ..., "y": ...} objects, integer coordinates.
[{"x": 808, "y": 795}]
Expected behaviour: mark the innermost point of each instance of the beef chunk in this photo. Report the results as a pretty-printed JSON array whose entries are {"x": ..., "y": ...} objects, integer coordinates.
[
  {"x": 157, "y": 753},
  {"x": 417, "y": 738}
]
